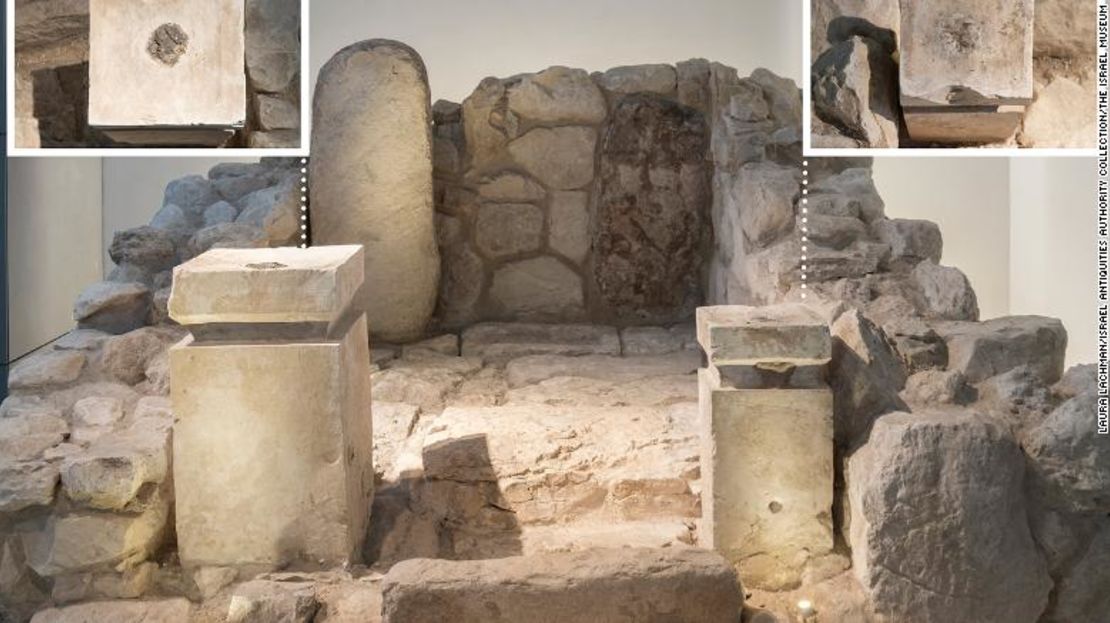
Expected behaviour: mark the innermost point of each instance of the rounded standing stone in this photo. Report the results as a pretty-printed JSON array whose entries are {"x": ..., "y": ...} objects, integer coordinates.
[{"x": 371, "y": 173}]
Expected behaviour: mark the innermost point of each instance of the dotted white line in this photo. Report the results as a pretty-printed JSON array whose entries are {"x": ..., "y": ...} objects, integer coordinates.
[
  {"x": 805, "y": 224},
  {"x": 304, "y": 203}
]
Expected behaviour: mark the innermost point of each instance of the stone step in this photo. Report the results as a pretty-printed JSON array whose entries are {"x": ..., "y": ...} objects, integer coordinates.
[{"x": 599, "y": 586}]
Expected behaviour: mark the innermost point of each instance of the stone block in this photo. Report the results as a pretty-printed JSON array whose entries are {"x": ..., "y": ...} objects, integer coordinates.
[
  {"x": 166, "y": 65},
  {"x": 767, "y": 476},
  {"x": 961, "y": 53},
  {"x": 598, "y": 586},
  {"x": 499, "y": 342},
  {"x": 176, "y": 610},
  {"x": 290, "y": 424},
  {"x": 279, "y": 285},
  {"x": 971, "y": 125},
  {"x": 787, "y": 332}
]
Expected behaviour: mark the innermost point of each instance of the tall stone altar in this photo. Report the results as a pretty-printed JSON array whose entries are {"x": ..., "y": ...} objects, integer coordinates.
[{"x": 271, "y": 394}]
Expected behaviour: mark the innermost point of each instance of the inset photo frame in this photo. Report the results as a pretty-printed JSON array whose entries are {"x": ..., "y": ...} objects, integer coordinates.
[{"x": 157, "y": 77}]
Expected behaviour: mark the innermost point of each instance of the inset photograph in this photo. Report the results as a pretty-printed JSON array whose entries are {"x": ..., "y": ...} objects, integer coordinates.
[
  {"x": 156, "y": 74},
  {"x": 949, "y": 73}
]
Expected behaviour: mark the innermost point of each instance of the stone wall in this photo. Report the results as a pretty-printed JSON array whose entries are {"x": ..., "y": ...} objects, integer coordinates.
[
  {"x": 52, "y": 75},
  {"x": 563, "y": 195}
]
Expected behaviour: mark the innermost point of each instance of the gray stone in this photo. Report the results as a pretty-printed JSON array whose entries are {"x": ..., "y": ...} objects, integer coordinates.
[
  {"x": 506, "y": 229},
  {"x": 1078, "y": 379},
  {"x": 499, "y": 342},
  {"x": 1069, "y": 459},
  {"x": 26, "y": 484},
  {"x": 461, "y": 286},
  {"x": 541, "y": 288},
  {"x": 98, "y": 411},
  {"x": 371, "y": 174},
  {"x": 651, "y": 227},
  {"x": 1064, "y": 29},
  {"x": 112, "y": 307},
  {"x": 172, "y": 219},
  {"x": 833, "y": 232},
  {"x": 945, "y": 292},
  {"x": 46, "y": 369},
  {"x": 569, "y": 224},
  {"x": 276, "y": 112},
  {"x": 147, "y": 247},
  {"x": 852, "y": 190},
  {"x": 234, "y": 187},
  {"x": 112, "y": 471},
  {"x": 125, "y": 357},
  {"x": 560, "y": 158},
  {"x": 175, "y": 610},
  {"x": 557, "y": 96},
  {"x": 659, "y": 79},
  {"x": 934, "y": 535},
  {"x": 192, "y": 194},
  {"x": 657, "y": 340},
  {"x": 599, "y": 585},
  {"x": 866, "y": 377},
  {"x": 511, "y": 187},
  {"x": 264, "y": 600},
  {"x": 272, "y": 39},
  {"x": 220, "y": 212},
  {"x": 854, "y": 89},
  {"x": 81, "y": 339},
  {"x": 911, "y": 241},
  {"x": 1080, "y": 595},
  {"x": 834, "y": 21},
  {"x": 985, "y": 349},
  {"x": 936, "y": 387},
  {"x": 533, "y": 369},
  {"x": 211, "y": 580},
  {"x": 225, "y": 235},
  {"x": 765, "y": 194},
  {"x": 276, "y": 211}
]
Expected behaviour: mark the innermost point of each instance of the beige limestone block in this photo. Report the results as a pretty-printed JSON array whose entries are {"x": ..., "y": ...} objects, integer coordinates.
[
  {"x": 284, "y": 284},
  {"x": 272, "y": 450},
  {"x": 767, "y": 470},
  {"x": 786, "y": 332},
  {"x": 166, "y": 63},
  {"x": 963, "y": 125},
  {"x": 966, "y": 52},
  {"x": 371, "y": 174}
]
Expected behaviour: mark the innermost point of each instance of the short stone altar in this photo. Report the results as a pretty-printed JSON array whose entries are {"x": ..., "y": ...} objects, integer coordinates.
[
  {"x": 271, "y": 394},
  {"x": 767, "y": 438},
  {"x": 966, "y": 70}
]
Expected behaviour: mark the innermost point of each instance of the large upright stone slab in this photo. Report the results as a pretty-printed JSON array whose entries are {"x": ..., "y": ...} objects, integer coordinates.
[
  {"x": 966, "y": 68},
  {"x": 371, "y": 179},
  {"x": 167, "y": 72},
  {"x": 271, "y": 393},
  {"x": 652, "y": 227},
  {"x": 767, "y": 439}
]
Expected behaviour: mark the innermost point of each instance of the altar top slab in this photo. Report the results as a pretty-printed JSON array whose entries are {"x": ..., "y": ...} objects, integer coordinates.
[{"x": 279, "y": 285}]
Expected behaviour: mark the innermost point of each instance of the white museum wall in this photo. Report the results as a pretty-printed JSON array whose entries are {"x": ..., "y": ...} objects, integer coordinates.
[
  {"x": 1052, "y": 269},
  {"x": 54, "y": 248},
  {"x": 970, "y": 199},
  {"x": 464, "y": 42},
  {"x": 134, "y": 187}
]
